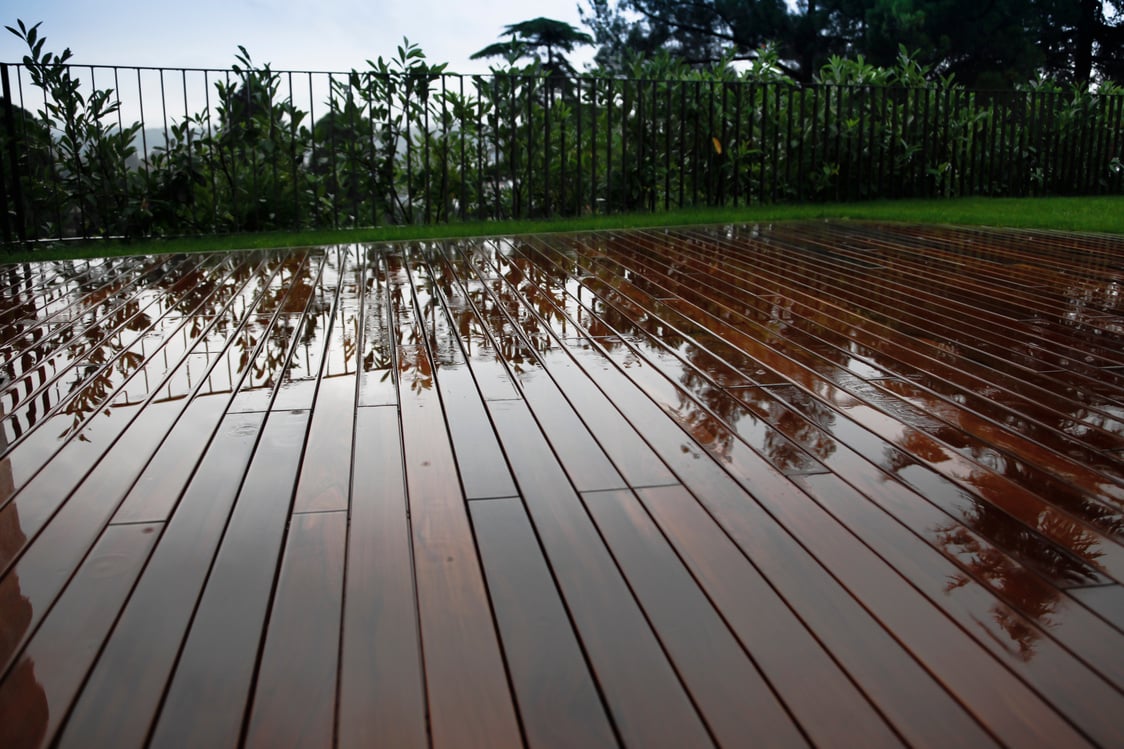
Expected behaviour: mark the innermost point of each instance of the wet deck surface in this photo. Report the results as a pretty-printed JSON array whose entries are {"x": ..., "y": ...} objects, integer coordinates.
[{"x": 824, "y": 484}]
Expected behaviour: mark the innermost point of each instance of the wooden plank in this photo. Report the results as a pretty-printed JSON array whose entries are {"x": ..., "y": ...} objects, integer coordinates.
[
  {"x": 381, "y": 686},
  {"x": 621, "y": 441},
  {"x": 811, "y": 681},
  {"x": 226, "y": 630},
  {"x": 895, "y": 307},
  {"x": 732, "y": 695},
  {"x": 37, "y": 692},
  {"x": 480, "y": 462},
  {"x": 163, "y": 480},
  {"x": 326, "y": 463},
  {"x": 648, "y": 703},
  {"x": 96, "y": 362},
  {"x": 840, "y": 456},
  {"x": 325, "y": 466},
  {"x": 1014, "y": 500},
  {"x": 50, "y": 557},
  {"x": 1072, "y": 688},
  {"x": 1107, "y": 601},
  {"x": 754, "y": 529},
  {"x": 571, "y": 439},
  {"x": 469, "y": 699},
  {"x": 558, "y": 701},
  {"x": 294, "y": 699},
  {"x": 123, "y": 691}
]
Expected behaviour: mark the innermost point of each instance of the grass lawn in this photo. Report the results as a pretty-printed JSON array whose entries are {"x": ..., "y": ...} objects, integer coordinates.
[{"x": 1090, "y": 214}]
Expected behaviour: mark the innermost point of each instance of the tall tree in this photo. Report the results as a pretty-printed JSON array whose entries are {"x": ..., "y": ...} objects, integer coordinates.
[
  {"x": 1083, "y": 40},
  {"x": 700, "y": 32},
  {"x": 535, "y": 37},
  {"x": 994, "y": 43}
]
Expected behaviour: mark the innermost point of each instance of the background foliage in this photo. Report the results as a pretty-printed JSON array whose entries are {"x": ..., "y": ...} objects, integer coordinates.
[{"x": 405, "y": 142}]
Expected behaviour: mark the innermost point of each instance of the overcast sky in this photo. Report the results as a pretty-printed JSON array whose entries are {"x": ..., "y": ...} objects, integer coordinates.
[{"x": 288, "y": 34}]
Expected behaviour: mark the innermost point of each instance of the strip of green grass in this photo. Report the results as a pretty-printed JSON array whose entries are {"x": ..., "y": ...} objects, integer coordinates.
[{"x": 1090, "y": 214}]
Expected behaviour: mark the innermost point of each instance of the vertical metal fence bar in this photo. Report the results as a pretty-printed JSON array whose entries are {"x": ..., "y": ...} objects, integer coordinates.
[
  {"x": 801, "y": 173},
  {"x": 563, "y": 153},
  {"x": 666, "y": 122},
  {"x": 789, "y": 143},
  {"x": 995, "y": 143},
  {"x": 332, "y": 122},
  {"x": 529, "y": 177},
  {"x": 14, "y": 190},
  {"x": 354, "y": 159},
  {"x": 625, "y": 173},
  {"x": 427, "y": 184},
  {"x": 873, "y": 153},
  {"x": 463, "y": 131},
  {"x": 593, "y": 145},
  {"x": 143, "y": 126},
  {"x": 774, "y": 90},
  {"x": 1030, "y": 141},
  {"x": 708, "y": 148},
  {"x": 443, "y": 211},
  {"x": 293, "y": 157},
  {"x": 163, "y": 109},
  {"x": 254, "y": 186},
  {"x": 579, "y": 145},
  {"x": 734, "y": 148},
  {"x": 838, "y": 155},
  {"x": 1093, "y": 178},
  {"x": 881, "y": 142},
  {"x": 546, "y": 114},
  {"x": 480, "y": 143},
  {"x": 407, "y": 117},
  {"x": 819, "y": 144},
  {"x": 722, "y": 157},
  {"x": 945, "y": 149},
  {"x": 1012, "y": 131},
  {"x": 682, "y": 172},
  {"x": 211, "y": 151},
  {"x": 1073, "y": 152},
  {"x": 1057, "y": 145},
  {"x": 927, "y": 188},
  {"x": 1092, "y": 147},
  {"x": 890, "y": 179},
  {"x": 694, "y": 141},
  {"x": 862, "y": 94},
  {"x": 610, "y": 99},
  {"x": 763, "y": 143},
  {"x": 963, "y": 143}
]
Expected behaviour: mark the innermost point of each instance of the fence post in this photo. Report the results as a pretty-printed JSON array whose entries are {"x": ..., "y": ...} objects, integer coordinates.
[{"x": 15, "y": 196}]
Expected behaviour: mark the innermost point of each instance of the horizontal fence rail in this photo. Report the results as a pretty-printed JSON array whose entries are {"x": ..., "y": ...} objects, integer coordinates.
[{"x": 160, "y": 151}]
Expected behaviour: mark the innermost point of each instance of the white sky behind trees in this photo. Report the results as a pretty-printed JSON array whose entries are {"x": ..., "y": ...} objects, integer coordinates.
[{"x": 334, "y": 35}]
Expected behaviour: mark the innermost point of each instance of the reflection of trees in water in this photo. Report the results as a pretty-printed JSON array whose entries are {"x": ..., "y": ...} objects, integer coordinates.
[
  {"x": 81, "y": 366},
  {"x": 983, "y": 538},
  {"x": 375, "y": 329},
  {"x": 1018, "y": 586},
  {"x": 806, "y": 421}
]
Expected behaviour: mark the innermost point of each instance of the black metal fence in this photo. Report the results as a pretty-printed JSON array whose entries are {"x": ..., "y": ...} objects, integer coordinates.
[{"x": 122, "y": 151}]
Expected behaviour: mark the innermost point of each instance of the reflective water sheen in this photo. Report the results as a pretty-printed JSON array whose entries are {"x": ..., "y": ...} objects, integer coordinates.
[{"x": 925, "y": 427}]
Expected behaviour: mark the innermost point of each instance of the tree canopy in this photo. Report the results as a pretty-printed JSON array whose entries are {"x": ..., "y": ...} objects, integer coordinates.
[
  {"x": 987, "y": 43},
  {"x": 535, "y": 37}
]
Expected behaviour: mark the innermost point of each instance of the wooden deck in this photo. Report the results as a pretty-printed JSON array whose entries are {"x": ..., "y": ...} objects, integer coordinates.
[{"x": 827, "y": 484}]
